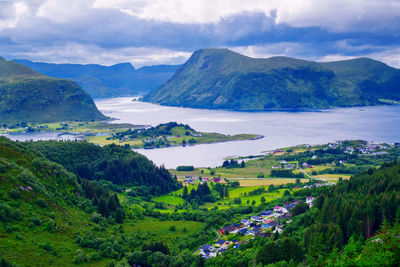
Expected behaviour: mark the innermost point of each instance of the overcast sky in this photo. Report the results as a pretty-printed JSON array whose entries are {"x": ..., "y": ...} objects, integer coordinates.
[{"x": 168, "y": 31}]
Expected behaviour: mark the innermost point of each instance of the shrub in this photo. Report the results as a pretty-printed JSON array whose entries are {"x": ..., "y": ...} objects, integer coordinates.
[
  {"x": 5, "y": 212},
  {"x": 172, "y": 228},
  {"x": 15, "y": 193},
  {"x": 96, "y": 217},
  {"x": 36, "y": 221},
  {"x": 41, "y": 203}
]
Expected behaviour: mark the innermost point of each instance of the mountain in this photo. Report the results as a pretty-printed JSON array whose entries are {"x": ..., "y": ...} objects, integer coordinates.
[
  {"x": 28, "y": 96},
  {"x": 222, "y": 79},
  {"x": 108, "y": 81}
]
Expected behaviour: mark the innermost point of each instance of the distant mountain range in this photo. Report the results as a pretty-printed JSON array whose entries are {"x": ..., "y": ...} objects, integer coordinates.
[
  {"x": 223, "y": 79},
  {"x": 29, "y": 96},
  {"x": 108, "y": 81}
]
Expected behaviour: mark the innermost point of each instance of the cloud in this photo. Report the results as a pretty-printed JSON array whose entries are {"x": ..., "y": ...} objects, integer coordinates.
[{"x": 151, "y": 32}]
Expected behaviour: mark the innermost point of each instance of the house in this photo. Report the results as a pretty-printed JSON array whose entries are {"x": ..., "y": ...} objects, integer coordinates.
[
  {"x": 245, "y": 222},
  {"x": 266, "y": 212},
  {"x": 237, "y": 225},
  {"x": 219, "y": 243},
  {"x": 243, "y": 231},
  {"x": 207, "y": 247},
  {"x": 267, "y": 221},
  {"x": 250, "y": 232},
  {"x": 256, "y": 218},
  {"x": 229, "y": 228},
  {"x": 216, "y": 180},
  {"x": 278, "y": 209}
]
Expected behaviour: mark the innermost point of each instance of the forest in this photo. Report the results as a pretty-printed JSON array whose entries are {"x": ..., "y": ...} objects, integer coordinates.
[{"x": 112, "y": 163}]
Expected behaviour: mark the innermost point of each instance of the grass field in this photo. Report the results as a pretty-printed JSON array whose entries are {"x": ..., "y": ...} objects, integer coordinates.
[
  {"x": 332, "y": 177},
  {"x": 266, "y": 181},
  {"x": 245, "y": 199},
  {"x": 160, "y": 230}
]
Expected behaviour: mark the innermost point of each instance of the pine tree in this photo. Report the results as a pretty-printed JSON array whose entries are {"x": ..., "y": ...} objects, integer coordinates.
[
  {"x": 119, "y": 216},
  {"x": 103, "y": 207},
  {"x": 185, "y": 192}
]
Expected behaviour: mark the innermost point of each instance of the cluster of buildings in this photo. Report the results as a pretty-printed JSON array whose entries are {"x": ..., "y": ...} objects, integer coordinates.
[
  {"x": 192, "y": 180},
  {"x": 365, "y": 147},
  {"x": 285, "y": 165},
  {"x": 269, "y": 221}
]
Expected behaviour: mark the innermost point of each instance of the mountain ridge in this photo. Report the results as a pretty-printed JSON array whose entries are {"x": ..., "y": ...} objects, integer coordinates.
[
  {"x": 223, "y": 79},
  {"x": 101, "y": 81}
]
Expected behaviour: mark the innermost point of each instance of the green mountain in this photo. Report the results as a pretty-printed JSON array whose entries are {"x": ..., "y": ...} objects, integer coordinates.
[
  {"x": 108, "y": 81},
  {"x": 222, "y": 79},
  {"x": 28, "y": 96}
]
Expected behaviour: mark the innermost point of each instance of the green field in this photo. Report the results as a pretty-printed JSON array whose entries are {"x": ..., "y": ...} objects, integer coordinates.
[
  {"x": 171, "y": 200},
  {"x": 74, "y": 126},
  {"x": 160, "y": 230}
]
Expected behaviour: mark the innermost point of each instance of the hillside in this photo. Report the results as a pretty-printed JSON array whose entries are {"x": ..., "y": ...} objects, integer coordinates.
[
  {"x": 222, "y": 79},
  {"x": 28, "y": 96},
  {"x": 43, "y": 207},
  {"x": 107, "y": 81}
]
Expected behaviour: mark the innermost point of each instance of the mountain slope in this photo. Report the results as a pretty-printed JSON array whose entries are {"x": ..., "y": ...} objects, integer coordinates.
[
  {"x": 108, "y": 81},
  {"x": 28, "y": 96},
  {"x": 39, "y": 214},
  {"x": 222, "y": 79}
]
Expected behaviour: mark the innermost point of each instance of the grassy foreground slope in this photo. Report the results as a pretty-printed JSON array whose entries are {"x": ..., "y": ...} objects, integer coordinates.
[
  {"x": 28, "y": 96},
  {"x": 222, "y": 79},
  {"x": 38, "y": 208}
]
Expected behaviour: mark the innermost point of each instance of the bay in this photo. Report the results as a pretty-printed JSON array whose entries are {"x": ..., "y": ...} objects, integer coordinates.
[{"x": 279, "y": 128}]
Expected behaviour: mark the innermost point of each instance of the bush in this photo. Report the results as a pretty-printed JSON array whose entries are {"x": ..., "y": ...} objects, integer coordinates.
[
  {"x": 15, "y": 193},
  {"x": 96, "y": 217},
  {"x": 36, "y": 221},
  {"x": 41, "y": 203},
  {"x": 172, "y": 228},
  {"x": 260, "y": 175},
  {"x": 185, "y": 168},
  {"x": 5, "y": 212}
]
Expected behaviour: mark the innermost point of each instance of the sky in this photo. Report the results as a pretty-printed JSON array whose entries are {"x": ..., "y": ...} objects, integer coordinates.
[{"x": 168, "y": 31}]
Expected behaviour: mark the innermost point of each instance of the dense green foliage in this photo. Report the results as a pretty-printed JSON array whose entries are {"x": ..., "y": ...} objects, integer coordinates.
[
  {"x": 40, "y": 202},
  {"x": 108, "y": 81},
  {"x": 230, "y": 164},
  {"x": 112, "y": 163},
  {"x": 222, "y": 79},
  {"x": 185, "y": 168},
  {"x": 286, "y": 173},
  {"x": 27, "y": 96}
]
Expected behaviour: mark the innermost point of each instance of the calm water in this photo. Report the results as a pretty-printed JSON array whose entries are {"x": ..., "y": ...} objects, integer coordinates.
[{"x": 281, "y": 129}]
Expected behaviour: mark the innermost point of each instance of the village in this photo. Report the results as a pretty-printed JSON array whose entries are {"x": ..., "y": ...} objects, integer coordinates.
[{"x": 262, "y": 225}]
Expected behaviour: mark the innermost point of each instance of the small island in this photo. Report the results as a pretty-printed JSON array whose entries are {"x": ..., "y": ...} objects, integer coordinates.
[{"x": 166, "y": 135}]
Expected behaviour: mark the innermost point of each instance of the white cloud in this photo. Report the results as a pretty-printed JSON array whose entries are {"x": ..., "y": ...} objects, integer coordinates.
[
  {"x": 338, "y": 15},
  {"x": 11, "y": 13},
  {"x": 62, "y": 11}
]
